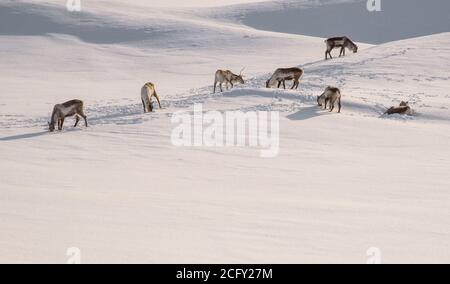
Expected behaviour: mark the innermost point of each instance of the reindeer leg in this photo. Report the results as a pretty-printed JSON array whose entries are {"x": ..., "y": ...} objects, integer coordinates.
[
  {"x": 85, "y": 120},
  {"x": 157, "y": 98},
  {"x": 339, "y": 106},
  {"x": 333, "y": 104},
  {"x": 221, "y": 89},
  {"x": 284, "y": 84},
  {"x": 150, "y": 106},
  {"x": 215, "y": 84},
  {"x": 143, "y": 104},
  {"x": 61, "y": 124},
  {"x": 77, "y": 119},
  {"x": 83, "y": 115},
  {"x": 293, "y": 85},
  {"x": 279, "y": 84}
]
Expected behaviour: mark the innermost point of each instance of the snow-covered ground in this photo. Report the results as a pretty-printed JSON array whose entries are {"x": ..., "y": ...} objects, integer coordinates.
[{"x": 121, "y": 192}]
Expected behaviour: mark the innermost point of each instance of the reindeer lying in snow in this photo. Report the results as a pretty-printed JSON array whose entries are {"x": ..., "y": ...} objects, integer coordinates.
[
  {"x": 331, "y": 95},
  {"x": 282, "y": 75},
  {"x": 147, "y": 92},
  {"x": 67, "y": 109},
  {"x": 227, "y": 77},
  {"x": 403, "y": 108},
  {"x": 342, "y": 42}
]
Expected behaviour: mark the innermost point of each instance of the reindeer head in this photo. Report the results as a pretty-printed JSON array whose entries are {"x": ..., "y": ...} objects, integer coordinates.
[
  {"x": 318, "y": 101},
  {"x": 51, "y": 126},
  {"x": 240, "y": 78}
]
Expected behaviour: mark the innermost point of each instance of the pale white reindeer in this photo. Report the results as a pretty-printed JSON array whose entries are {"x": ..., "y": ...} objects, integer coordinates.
[
  {"x": 282, "y": 75},
  {"x": 147, "y": 92},
  {"x": 67, "y": 109},
  {"x": 227, "y": 77}
]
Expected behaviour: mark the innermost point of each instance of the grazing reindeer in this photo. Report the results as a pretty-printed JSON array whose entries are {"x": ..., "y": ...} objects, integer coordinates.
[
  {"x": 285, "y": 74},
  {"x": 227, "y": 77},
  {"x": 331, "y": 95},
  {"x": 404, "y": 108},
  {"x": 343, "y": 43},
  {"x": 67, "y": 109},
  {"x": 147, "y": 92}
]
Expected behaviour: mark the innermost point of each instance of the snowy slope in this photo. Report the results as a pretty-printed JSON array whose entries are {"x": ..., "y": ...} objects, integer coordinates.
[
  {"x": 134, "y": 48},
  {"x": 121, "y": 192}
]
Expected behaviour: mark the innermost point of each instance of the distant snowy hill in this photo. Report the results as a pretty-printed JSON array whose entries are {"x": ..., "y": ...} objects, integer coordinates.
[{"x": 399, "y": 19}]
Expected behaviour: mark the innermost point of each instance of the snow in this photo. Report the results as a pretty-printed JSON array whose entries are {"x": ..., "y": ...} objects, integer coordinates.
[{"x": 122, "y": 193}]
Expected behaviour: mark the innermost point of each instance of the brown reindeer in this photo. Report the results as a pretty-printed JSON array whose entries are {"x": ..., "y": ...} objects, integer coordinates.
[
  {"x": 282, "y": 75},
  {"x": 67, "y": 109},
  {"x": 342, "y": 42},
  {"x": 331, "y": 95},
  {"x": 403, "y": 108}
]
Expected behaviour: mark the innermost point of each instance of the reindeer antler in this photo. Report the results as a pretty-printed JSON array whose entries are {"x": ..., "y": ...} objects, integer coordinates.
[{"x": 240, "y": 73}]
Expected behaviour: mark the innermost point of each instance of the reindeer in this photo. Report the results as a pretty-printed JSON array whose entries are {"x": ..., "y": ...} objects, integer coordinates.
[
  {"x": 67, "y": 109},
  {"x": 282, "y": 75},
  {"x": 403, "y": 108},
  {"x": 147, "y": 92},
  {"x": 331, "y": 95},
  {"x": 343, "y": 43},
  {"x": 227, "y": 77}
]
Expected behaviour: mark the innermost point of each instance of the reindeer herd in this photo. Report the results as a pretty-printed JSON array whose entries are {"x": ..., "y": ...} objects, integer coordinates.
[{"x": 330, "y": 96}]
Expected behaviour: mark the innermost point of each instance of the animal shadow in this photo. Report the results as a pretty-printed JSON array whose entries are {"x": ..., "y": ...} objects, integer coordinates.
[{"x": 308, "y": 113}]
